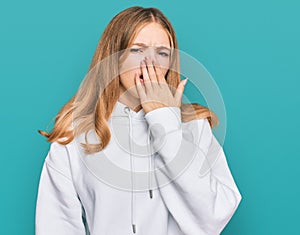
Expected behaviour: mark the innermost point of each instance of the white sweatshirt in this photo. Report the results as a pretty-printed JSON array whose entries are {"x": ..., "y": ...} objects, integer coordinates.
[{"x": 157, "y": 176}]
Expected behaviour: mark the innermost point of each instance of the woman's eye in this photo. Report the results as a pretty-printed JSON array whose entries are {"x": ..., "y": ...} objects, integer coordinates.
[
  {"x": 135, "y": 50},
  {"x": 164, "y": 54}
]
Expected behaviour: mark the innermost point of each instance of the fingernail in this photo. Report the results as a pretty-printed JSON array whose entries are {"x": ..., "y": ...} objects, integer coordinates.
[{"x": 185, "y": 81}]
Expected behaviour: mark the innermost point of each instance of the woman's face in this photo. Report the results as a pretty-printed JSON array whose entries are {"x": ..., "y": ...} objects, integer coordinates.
[{"x": 151, "y": 41}]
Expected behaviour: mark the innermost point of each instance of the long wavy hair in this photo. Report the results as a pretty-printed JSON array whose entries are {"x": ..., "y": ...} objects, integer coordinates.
[{"x": 92, "y": 105}]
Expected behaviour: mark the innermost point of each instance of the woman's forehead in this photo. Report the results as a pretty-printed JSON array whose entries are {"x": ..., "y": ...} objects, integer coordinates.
[{"x": 152, "y": 34}]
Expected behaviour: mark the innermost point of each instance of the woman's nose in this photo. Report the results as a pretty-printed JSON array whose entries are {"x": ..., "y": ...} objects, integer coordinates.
[
  {"x": 150, "y": 53},
  {"x": 150, "y": 59}
]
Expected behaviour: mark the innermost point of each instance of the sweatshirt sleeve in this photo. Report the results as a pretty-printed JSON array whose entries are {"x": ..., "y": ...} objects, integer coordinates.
[
  {"x": 58, "y": 208},
  {"x": 193, "y": 176}
]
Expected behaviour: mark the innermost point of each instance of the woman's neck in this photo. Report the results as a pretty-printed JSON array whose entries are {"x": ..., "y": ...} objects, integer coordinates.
[{"x": 129, "y": 100}]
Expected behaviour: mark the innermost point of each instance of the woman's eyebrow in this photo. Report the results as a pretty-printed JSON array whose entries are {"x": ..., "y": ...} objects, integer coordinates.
[{"x": 144, "y": 45}]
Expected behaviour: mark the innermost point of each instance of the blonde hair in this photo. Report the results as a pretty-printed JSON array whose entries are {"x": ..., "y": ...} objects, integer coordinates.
[{"x": 94, "y": 101}]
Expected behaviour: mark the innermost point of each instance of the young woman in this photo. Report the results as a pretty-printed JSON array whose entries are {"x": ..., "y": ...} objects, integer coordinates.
[{"x": 127, "y": 157}]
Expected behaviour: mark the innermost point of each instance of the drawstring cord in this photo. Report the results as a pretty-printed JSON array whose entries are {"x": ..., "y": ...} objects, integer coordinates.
[
  {"x": 126, "y": 109},
  {"x": 150, "y": 163}
]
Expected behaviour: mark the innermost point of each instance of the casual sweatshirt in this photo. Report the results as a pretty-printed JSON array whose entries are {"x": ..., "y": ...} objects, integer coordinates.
[{"x": 158, "y": 175}]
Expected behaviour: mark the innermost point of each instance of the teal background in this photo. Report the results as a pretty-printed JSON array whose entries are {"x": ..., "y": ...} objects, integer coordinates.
[{"x": 250, "y": 48}]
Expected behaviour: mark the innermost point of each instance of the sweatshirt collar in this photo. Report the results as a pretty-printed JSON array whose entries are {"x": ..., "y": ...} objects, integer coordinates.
[{"x": 120, "y": 111}]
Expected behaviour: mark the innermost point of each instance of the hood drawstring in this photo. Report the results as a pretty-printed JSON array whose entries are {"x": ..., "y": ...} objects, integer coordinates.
[
  {"x": 126, "y": 109},
  {"x": 150, "y": 163},
  {"x": 133, "y": 224}
]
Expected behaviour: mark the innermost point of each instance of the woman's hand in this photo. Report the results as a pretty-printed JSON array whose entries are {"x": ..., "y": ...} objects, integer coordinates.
[{"x": 154, "y": 91}]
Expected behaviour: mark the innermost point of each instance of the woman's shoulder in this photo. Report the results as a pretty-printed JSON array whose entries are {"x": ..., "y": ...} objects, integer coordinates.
[
  {"x": 58, "y": 158},
  {"x": 197, "y": 124},
  {"x": 198, "y": 131}
]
